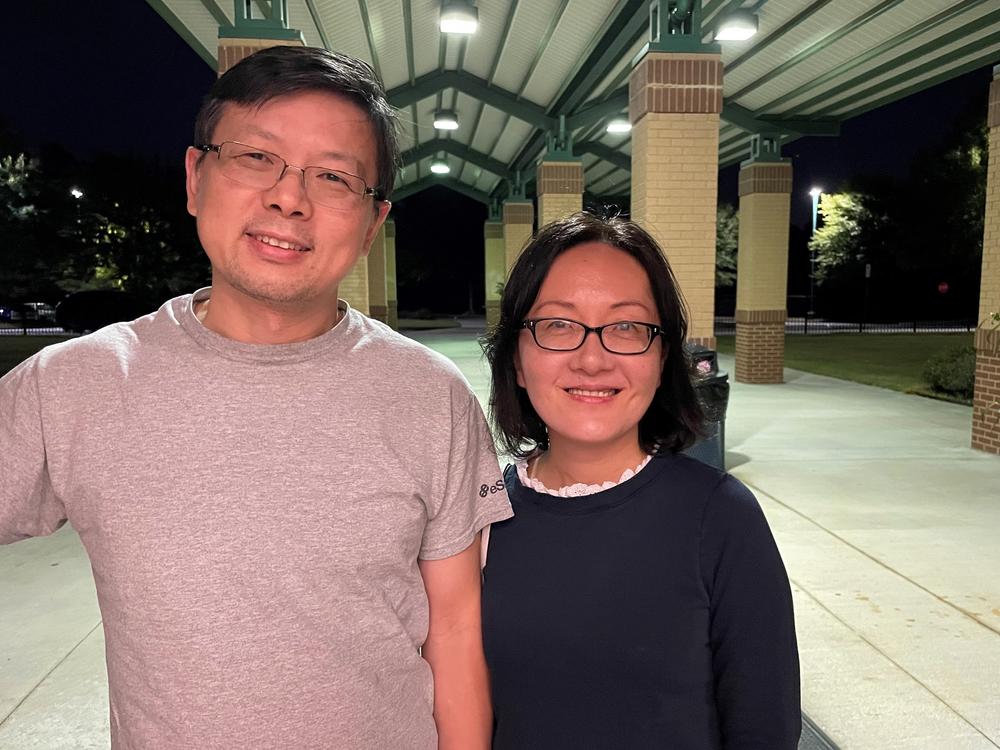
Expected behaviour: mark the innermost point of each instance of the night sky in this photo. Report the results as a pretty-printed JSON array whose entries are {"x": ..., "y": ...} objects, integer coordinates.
[{"x": 112, "y": 76}]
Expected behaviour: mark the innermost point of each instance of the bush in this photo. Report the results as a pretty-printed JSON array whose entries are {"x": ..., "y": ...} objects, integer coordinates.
[{"x": 952, "y": 371}]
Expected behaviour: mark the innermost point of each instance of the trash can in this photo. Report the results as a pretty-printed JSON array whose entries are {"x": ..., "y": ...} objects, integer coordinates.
[{"x": 712, "y": 389}]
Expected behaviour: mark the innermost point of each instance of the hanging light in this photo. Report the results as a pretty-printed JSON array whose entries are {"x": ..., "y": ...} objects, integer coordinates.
[
  {"x": 440, "y": 166},
  {"x": 737, "y": 26},
  {"x": 619, "y": 125},
  {"x": 458, "y": 17},
  {"x": 445, "y": 119}
]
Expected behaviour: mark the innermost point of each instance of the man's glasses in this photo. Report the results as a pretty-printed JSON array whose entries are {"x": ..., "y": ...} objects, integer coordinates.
[
  {"x": 263, "y": 170},
  {"x": 620, "y": 337}
]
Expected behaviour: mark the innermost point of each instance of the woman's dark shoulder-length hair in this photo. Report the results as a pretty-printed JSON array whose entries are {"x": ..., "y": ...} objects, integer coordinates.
[{"x": 673, "y": 419}]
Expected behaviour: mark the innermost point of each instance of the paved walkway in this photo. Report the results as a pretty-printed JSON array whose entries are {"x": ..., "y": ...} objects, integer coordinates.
[{"x": 888, "y": 523}]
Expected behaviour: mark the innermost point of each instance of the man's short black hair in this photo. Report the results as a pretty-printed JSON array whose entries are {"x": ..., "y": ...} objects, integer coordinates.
[
  {"x": 283, "y": 70},
  {"x": 673, "y": 419}
]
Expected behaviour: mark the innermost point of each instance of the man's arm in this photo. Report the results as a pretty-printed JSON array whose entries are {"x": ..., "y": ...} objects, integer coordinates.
[
  {"x": 28, "y": 503},
  {"x": 454, "y": 649}
]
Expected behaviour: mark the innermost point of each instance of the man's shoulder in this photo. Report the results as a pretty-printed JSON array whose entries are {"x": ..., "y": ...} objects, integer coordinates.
[
  {"x": 113, "y": 344},
  {"x": 399, "y": 355}
]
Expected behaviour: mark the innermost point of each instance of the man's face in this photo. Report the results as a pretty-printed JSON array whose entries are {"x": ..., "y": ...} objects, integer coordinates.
[{"x": 276, "y": 245}]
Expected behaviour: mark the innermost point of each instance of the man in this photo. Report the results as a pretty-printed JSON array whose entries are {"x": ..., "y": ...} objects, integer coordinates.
[{"x": 280, "y": 498}]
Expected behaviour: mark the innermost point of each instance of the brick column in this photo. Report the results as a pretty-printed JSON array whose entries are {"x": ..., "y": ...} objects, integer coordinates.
[
  {"x": 518, "y": 220},
  {"x": 231, "y": 51},
  {"x": 354, "y": 287},
  {"x": 377, "y": 288},
  {"x": 986, "y": 398},
  {"x": 762, "y": 272},
  {"x": 560, "y": 190},
  {"x": 392, "y": 314},
  {"x": 674, "y": 105},
  {"x": 496, "y": 269}
]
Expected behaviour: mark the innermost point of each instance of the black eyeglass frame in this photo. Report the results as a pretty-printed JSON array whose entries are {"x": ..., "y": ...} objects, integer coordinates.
[
  {"x": 374, "y": 192},
  {"x": 654, "y": 331}
]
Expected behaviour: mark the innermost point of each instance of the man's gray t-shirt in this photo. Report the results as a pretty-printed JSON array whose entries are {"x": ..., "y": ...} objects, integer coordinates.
[{"x": 254, "y": 516}]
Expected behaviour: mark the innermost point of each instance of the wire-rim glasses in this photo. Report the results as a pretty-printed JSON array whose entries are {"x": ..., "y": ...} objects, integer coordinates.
[
  {"x": 257, "y": 168},
  {"x": 626, "y": 337}
]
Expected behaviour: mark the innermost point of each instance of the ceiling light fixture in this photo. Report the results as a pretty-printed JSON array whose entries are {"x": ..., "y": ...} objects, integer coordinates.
[
  {"x": 440, "y": 166},
  {"x": 458, "y": 17},
  {"x": 445, "y": 119},
  {"x": 619, "y": 125},
  {"x": 738, "y": 26}
]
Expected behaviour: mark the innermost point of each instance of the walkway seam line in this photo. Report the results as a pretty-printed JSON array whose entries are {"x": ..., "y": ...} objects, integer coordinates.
[
  {"x": 48, "y": 674},
  {"x": 888, "y": 567},
  {"x": 892, "y": 661}
]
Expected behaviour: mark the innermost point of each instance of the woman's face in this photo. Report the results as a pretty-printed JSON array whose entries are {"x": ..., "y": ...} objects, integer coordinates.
[{"x": 589, "y": 396}]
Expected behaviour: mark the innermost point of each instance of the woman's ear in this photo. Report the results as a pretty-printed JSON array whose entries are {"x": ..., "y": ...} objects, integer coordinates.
[{"x": 517, "y": 368}]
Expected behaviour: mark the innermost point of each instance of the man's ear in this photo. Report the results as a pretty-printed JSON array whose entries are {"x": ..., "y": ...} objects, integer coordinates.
[
  {"x": 192, "y": 166},
  {"x": 381, "y": 210}
]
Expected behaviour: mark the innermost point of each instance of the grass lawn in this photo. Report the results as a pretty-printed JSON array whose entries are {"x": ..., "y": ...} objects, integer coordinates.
[
  {"x": 16, "y": 349},
  {"x": 893, "y": 361}
]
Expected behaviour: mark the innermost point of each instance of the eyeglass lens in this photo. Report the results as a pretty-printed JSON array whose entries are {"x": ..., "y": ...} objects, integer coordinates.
[{"x": 623, "y": 337}]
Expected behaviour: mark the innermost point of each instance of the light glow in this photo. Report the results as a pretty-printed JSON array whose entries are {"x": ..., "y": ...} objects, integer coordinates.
[
  {"x": 736, "y": 27},
  {"x": 619, "y": 125},
  {"x": 445, "y": 119},
  {"x": 816, "y": 192},
  {"x": 440, "y": 167},
  {"x": 458, "y": 17}
]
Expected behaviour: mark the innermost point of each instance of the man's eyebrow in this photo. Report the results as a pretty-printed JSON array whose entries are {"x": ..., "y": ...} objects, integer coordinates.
[{"x": 267, "y": 135}]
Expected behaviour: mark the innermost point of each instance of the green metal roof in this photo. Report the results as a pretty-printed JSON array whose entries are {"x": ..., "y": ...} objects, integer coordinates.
[{"x": 812, "y": 65}]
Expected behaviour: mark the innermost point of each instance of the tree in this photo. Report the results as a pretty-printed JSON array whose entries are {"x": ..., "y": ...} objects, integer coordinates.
[
  {"x": 727, "y": 240},
  {"x": 19, "y": 221},
  {"x": 856, "y": 229}
]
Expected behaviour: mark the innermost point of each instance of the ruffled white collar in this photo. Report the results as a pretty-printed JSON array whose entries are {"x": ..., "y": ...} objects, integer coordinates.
[{"x": 573, "y": 490}]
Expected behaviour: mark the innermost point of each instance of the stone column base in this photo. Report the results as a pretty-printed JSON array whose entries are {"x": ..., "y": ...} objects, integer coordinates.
[
  {"x": 379, "y": 312},
  {"x": 391, "y": 315},
  {"x": 986, "y": 398},
  {"x": 760, "y": 346},
  {"x": 492, "y": 313}
]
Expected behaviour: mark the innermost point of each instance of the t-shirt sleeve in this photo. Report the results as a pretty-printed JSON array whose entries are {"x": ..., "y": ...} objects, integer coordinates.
[
  {"x": 29, "y": 505},
  {"x": 471, "y": 494},
  {"x": 755, "y": 658}
]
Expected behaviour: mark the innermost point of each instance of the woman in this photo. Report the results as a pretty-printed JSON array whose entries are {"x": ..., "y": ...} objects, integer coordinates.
[{"x": 636, "y": 599}]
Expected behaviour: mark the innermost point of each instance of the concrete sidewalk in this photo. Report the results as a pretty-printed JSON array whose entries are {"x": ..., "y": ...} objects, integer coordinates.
[{"x": 888, "y": 523}]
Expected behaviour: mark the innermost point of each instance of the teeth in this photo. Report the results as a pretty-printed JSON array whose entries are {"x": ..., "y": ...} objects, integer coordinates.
[
  {"x": 278, "y": 243},
  {"x": 599, "y": 394}
]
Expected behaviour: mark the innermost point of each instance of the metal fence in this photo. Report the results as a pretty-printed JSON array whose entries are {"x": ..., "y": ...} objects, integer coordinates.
[
  {"x": 726, "y": 326},
  {"x": 29, "y": 330}
]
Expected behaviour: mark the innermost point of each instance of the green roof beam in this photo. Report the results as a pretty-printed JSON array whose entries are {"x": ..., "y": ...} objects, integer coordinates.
[
  {"x": 606, "y": 153},
  {"x": 431, "y": 83},
  {"x": 818, "y": 46},
  {"x": 449, "y": 182},
  {"x": 458, "y": 150},
  {"x": 877, "y": 51}
]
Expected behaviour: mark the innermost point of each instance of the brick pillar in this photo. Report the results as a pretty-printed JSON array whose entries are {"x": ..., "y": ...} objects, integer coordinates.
[
  {"x": 674, "y": 105},
  {"x": 762, "y": 272},
  {"x": 377, "y": 291},
  {"x": 354, "y": 287},
  {"x": 560, "y": 190},
  {"x": 518, "y": 220},
  {"x": 496, "y": 269},
  {"x": 392, "y": 313},
  {"x": 231, "y": 51},
  {"x": 986, "y": 398}
]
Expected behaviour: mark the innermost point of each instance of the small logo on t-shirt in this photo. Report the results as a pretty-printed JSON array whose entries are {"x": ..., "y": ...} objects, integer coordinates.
[{"x": 491, "y": 489}]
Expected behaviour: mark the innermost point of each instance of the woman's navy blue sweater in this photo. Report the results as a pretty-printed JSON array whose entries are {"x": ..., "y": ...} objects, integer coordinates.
[{"x": 655, "y": 614}]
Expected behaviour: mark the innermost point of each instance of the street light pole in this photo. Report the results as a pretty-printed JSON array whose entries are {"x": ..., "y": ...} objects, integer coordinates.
[{"x": 815, "y": 193}]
